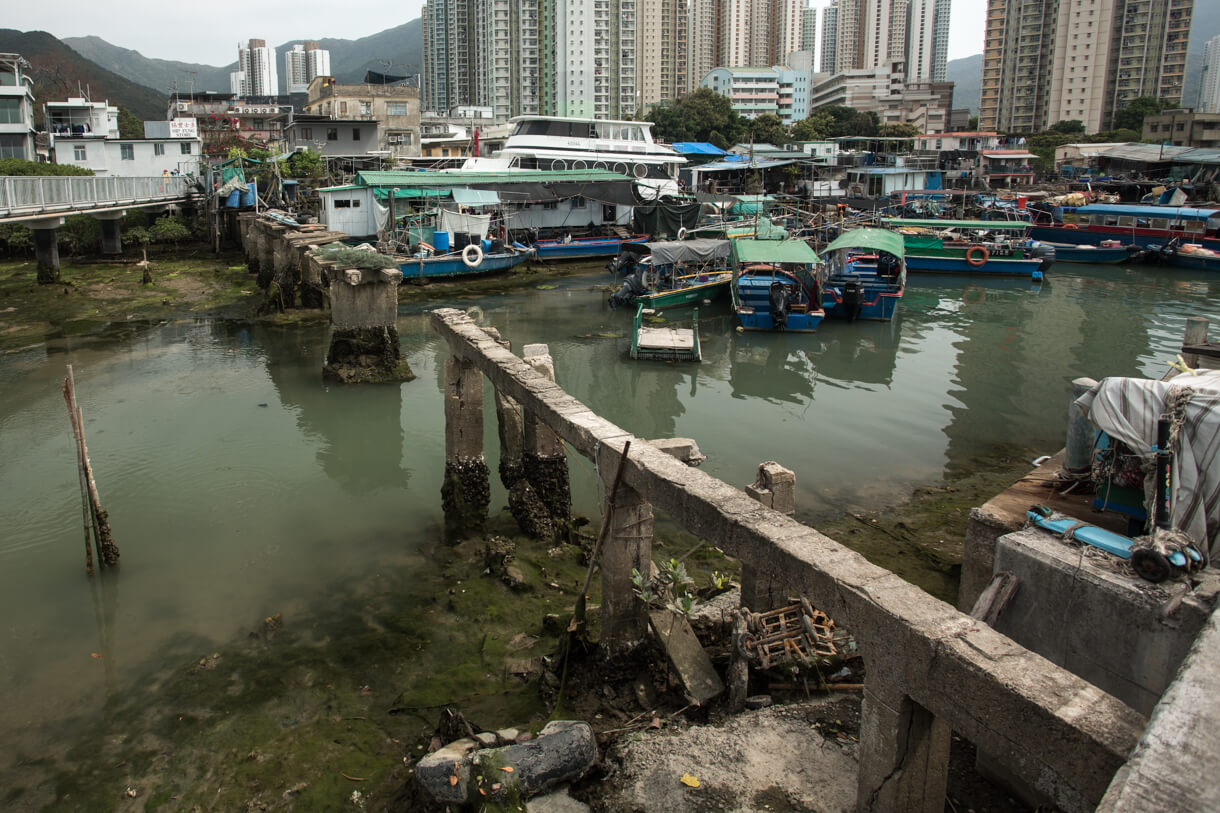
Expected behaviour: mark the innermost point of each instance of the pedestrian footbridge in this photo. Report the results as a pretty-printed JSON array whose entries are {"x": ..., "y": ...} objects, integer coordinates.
[{"x": 42, "y": 203}]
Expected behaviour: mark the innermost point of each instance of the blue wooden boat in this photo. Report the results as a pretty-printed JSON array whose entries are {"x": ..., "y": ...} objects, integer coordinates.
[
  {"x": 865, "y": 275},
  {"x": 582, "y": 248},
  {"x": 460, "y": 264},
  {"x": 1140, "y": 225},
  {"x": 776, "y": 285},
  {"x": 1095, "y": 254},
  {"x": 1189, "y": 256},
  {"x": 976, "y": 247}
]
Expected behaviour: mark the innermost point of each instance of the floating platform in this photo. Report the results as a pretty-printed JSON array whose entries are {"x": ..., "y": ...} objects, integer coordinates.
[{"x": 664, "y": 343}]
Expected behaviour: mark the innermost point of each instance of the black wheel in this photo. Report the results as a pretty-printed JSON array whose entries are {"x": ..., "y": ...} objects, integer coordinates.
[
  {"x": 1151, "y": 565},
  {"x": 745, "y": 643}
]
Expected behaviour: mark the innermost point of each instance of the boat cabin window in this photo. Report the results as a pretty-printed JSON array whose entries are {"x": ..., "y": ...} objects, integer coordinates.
[
  {"x": 1110, "y": 221},
  {"x": 1141, "y": 223},
  {"x": 559, "y": 129},
  {"x": 654, "y": 171},
  {"x": 1126, "y": 221},
  {"x": 1160, "y": 223}
]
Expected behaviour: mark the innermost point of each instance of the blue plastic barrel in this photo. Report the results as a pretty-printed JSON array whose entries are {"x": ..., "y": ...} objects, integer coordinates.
[
  {"x": 486, "y": 246},
  {"x": 247, "y": 195},
  {"x": 440, "y": 242},
  {"x": 234, "y": 199}
]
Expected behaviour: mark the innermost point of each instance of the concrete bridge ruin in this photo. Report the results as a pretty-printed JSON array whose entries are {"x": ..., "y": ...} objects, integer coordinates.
[{"x": 931, "y": 669}]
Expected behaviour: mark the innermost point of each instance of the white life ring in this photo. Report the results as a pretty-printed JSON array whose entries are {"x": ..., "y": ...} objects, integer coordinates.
[
  {"x": 599, "y": 165},
  {"x": 579, "y": 163},
  {"x": 620, "y": 167},
  {"x": 681, "y": 232},
  {"x": 558, "y": 165},
  {"x": 473, "y": 249},
  {"x": 640, "y": 171}
]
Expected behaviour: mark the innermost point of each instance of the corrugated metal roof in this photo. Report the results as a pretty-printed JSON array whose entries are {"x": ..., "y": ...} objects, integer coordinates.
[
  {"x": 876, "y": 239},
  {"x": 993, "y": 225},
  {"x": 728, "y": 163},
  {"x": 1148, "y": 153},
  {"x": 1198, "y": 155},
  {"x": 460, "y": 179},
  {"x": 696, "y": 148},
  {"x": 1006, "y": 154},
  {"x": 773, "y": 251}
]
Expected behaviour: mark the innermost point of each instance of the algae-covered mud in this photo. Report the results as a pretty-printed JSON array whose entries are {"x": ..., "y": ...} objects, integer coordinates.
[{"x": 288, "y": 619}]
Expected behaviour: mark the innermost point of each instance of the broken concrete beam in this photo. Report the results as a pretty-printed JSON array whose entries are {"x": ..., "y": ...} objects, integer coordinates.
[
  {"x": 433, "y": 772},
  {"x": 692, "y": 664},
  {"x": 685, "y": 449}
]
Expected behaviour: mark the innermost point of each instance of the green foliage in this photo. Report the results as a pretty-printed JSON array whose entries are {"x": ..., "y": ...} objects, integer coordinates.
[
  {"x": 130, "y": 125},
  {"x": 79, "y": 234},
  {"x": 17, "y": 239},
  {"x": 698, "y": 117},
  {"x": 169, "y": 229},
  {"x": 1068, "y": 126},
  {"x": 18, "y": 166},
  {"x": 304, "y": 164},
  {"x": 769, "y": 129},
  {"x": 902, "y": 129},
  {"x": 973, "y": 126},
  {"x": 815, "y": 128},
  {"x": 1132, "y": 116},
  {"x": 673, "y": 588},
  {"x": 848, "y": 121}
]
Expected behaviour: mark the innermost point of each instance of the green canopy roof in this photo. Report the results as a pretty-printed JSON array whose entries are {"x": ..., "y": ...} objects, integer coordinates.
[
  {"x": 473, "y": 179},
  {"x": 875, "y": 239},
  {"x": 1009, "y": 225},
  {"x": 773, "y": 251}
]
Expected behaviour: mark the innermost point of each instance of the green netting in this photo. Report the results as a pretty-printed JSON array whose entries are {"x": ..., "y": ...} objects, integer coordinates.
[{"x": 348, "y": 257}]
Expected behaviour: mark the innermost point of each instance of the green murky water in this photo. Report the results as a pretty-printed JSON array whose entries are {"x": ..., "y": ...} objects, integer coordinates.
[{"x": 240, "y": 486}]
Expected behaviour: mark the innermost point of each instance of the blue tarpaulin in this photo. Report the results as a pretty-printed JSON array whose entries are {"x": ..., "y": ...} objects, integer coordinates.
[{"x": 696, "y": 148}]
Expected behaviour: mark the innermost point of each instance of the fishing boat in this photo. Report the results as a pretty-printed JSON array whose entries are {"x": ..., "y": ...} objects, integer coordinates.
[
  {"x": 1105, "y": 253},
  {"x": 977, "y": 247},
  {"x": 474, "y": 259},
  {"x": 1190, "y": 255},
  {"x": 1139, "y": 225},
  {"x": 673, "y": 273},
  {"x": 777, "y": 285},
  {"x": 583, "y": 248},
  {"x": 865, "y": 274}
]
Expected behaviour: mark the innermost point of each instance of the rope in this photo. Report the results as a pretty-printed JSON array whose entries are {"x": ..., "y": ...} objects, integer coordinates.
[{"x": 1175, "y": 411}]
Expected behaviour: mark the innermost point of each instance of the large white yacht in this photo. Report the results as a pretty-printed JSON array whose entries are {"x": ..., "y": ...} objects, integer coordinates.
[{"x": 558, "y": 142}]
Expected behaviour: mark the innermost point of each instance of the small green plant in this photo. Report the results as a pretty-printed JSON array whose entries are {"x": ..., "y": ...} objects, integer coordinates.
[
  {"x": 672, "y": 589},
  {"x": 718, "y": 581}
]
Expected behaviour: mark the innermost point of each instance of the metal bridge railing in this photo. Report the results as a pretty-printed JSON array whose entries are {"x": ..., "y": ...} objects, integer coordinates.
[{"x": 24, "y": 195}]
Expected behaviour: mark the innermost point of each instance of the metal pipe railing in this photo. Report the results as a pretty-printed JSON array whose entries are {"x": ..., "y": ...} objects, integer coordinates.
[{"x": 31, "y": 194}]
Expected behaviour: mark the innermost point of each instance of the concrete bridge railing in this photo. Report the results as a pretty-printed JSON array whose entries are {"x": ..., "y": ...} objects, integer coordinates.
[
  {"x": 35, "y": 196},
  {"x": 931, "y": 669}
]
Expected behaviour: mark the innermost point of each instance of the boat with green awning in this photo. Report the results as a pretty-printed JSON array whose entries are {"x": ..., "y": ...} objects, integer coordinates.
[
  {"x": 990, "y": 247},
  {"x": 777, "y": 285},
  {"x": 865, "y": 274}
]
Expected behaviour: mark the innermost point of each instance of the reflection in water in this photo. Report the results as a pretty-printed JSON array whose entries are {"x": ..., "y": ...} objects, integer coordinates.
[{"x": 239, "y": 486}]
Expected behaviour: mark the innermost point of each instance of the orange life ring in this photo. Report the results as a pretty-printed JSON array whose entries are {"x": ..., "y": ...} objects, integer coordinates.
[
  {"x": 1072, "y": 226},
  {"x": 973, "y": 258}
]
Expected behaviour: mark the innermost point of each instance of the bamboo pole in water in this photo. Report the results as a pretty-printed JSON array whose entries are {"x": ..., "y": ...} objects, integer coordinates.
[
  {"x": 69, "y": 398},
  {"x": 107, "y": 551}
]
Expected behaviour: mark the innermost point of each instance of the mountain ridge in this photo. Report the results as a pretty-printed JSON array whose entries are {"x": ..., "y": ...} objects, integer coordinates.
[{"x": 397, "y": 50}]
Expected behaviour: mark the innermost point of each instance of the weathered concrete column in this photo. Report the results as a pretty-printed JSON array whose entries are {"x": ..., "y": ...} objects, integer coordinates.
[
  {"x": 1079, "y": 456},
  {"x": 269, "y": 234},
  {"x": 775, "y": 488},
  {"x": 466, "y": 491},
  {"x": 511, "y": 428},
  {"x": 628, "y": 545},
  {"x": 544, "y": 458},
  {"x": 112, "y": 240},
  {"x": 364, "y": 346},
  {"x": 904, "y": 749},
  {"x": 46, "y": 247}
]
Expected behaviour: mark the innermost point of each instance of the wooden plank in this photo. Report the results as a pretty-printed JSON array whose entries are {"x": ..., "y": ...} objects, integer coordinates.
[
  {"x": 692, "y": 664},
  {"x": 996, "y": 597}
]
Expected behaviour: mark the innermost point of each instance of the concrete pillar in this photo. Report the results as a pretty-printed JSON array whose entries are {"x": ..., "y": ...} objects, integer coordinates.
[
  {"x": 904, "y": 749},
  {"x": 1080, "y": 432},
  {"x": 364, "y": 346},
  {"x": 511, "y": 428},
  {"x": 1196, "y": 334},
  {"x": 112, "y": 240},
  {"x": 775, "y": 488},
  {"x": 628, "y": 545},
  {"x": 466, "y": 491},
  {"x": 46, "y": 247},
  {"x": 543, "y": 456}
]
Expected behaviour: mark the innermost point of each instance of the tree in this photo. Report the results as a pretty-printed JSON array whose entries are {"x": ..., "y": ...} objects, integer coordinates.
[
  {"x": 1132, "y": 116},
  {"x": 169, "y": 229},
  {"x": 1068, "y": 126},
  {"x": 304, "y": 164},
  {"x": 973, "y": 126},
  {"x": 814, "y": 128},
  {"x": 903, "y": 129},
  {"x": 769, "y": 128},
  {"x": 19, "y": 166},
  {"x": 130, "y": 125},
  {"x": 696, "y": 116}
]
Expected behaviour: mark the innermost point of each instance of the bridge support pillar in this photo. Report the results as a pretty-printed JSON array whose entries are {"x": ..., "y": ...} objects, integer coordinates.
[
  {"x": 46, "y": 248},
  {"x": 112, "y": 240},
  {"x": 544, "y": 457},
  {"x": 511, "y": 428},
  {"x": 775, "y": 488},
  {"x": 904, "y": 748},
  {"x": 466, "y": 490},
  {"x": 628, "y": 546}
]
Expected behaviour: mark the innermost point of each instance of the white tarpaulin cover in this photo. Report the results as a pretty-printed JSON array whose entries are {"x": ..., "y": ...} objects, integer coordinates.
[
  {"x": 464, "y": 223},
  {"x": 1128, "y": 408}
]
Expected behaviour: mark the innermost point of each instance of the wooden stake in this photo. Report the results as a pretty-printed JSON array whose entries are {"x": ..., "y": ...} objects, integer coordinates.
[
  {"x": 69, "y": 399},
  {"x": 107, "y": 551}
]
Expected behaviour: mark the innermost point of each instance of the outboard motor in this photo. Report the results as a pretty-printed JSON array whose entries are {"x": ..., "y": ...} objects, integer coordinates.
[
  {"x": 853, "y": 298},
  {"x": 623, "y": 261},
  {"x": 632, "y": 287},
  {"x": 779, "y": 305},
  {"x": 1045, "y": 253}
]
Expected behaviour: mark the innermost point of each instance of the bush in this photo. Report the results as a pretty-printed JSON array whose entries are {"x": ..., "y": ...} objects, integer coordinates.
[
  {"x": 348, "y": 257},
  {"x": 169, "y": 229},
  {"x": 18, "y": 166}
]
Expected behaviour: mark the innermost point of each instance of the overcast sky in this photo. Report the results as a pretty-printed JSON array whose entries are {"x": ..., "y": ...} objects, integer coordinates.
[{"x": 209, "y": 33}]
